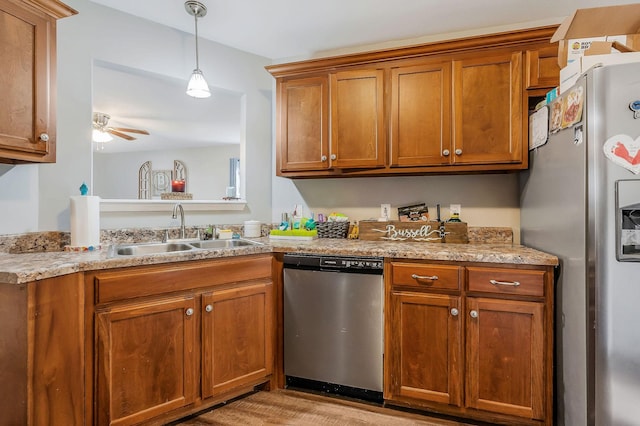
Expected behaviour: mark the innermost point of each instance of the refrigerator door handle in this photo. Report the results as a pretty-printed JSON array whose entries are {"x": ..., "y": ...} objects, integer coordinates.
[{"x": 509, "y": 283}]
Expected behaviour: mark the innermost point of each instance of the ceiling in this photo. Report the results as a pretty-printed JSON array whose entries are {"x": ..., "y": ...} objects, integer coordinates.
[
  {"x": 281, "y": 29},
  {"x": 157, "y": 103}
]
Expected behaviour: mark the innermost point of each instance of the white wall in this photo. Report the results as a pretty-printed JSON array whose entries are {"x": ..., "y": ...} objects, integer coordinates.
[
  {"x": 487, "y": 200},
  {"x": 38, "y": 196}
]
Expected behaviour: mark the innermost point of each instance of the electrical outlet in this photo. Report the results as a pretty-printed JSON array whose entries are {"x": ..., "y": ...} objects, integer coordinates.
[
  {"x": 385, "y": 211},
  {"x": 455, "y": 208}
]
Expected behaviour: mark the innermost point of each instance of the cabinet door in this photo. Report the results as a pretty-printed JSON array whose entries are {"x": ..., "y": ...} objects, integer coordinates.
[
  {"x": 146, "y": 363},
  {"x": 487, "y": 93},
  {"x": 424, "y": 360},
  {"x": 26, "y": 112},
  {"x": 357, "y": 119},
  {"x": 236, "y": 337},
  {"x": 421, "y": 115},
  {"x": 303, "y": 136},
  {"x": 505, "y": 357},
  {"x": 542, "y": 68}
]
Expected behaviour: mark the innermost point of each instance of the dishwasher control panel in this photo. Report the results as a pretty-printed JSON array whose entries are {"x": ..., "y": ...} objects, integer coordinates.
[{"x": 334, "y": 263}]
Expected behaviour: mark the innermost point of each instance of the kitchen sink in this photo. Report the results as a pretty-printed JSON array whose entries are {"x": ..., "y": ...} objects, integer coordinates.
[
  {"x": 214, "y": 244},
  {"x": 171, "y": 247},
  {"x": 141, "y": 249}
]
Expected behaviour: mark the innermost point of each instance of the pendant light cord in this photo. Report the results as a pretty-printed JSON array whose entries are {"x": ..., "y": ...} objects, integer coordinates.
[{"x": 195, "y": 16}]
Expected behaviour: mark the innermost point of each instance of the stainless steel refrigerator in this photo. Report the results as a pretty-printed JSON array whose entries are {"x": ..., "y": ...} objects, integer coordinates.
[{"x": 580, "y": 200}]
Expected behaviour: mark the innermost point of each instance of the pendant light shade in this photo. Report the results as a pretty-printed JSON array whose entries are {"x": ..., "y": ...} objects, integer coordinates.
[
  {"x": 101, "y": 136},
  {"x": 197, "y": 87}
]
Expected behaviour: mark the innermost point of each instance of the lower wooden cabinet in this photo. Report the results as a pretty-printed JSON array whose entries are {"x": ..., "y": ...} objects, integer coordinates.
[
  {"x": 479, "y": 347},
  {"x": 146, "y": 364},
  {"x": 174, "y": 339},
  {"x": 429, "y": 371},
  {"x": 236, "y": 337}
]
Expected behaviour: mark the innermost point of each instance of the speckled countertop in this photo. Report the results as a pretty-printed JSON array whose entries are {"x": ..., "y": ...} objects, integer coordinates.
[{"x": 25, "y": 267}]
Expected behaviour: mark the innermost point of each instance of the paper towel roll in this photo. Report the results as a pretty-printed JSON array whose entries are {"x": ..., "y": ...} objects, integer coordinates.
[{"x": 85, "y": 221}]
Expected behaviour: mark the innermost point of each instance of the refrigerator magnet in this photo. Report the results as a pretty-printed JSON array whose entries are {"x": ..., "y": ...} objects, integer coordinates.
[
  {"x": 556, "y": 115},
  {"x": 624, "y": 151},
  {"x": 572, "y": 111},
  {"x": 538, "y": 128}
]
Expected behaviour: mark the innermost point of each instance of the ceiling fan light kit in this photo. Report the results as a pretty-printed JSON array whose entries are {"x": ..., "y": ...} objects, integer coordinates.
[
  {"x": 102, "y": 133},
  {"x": 197, "y": 87}
]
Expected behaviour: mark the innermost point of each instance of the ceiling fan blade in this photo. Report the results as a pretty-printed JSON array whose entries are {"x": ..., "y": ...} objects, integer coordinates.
[
  {"x": 124, "y": 129},
  {"x": 120, "y": 135}
]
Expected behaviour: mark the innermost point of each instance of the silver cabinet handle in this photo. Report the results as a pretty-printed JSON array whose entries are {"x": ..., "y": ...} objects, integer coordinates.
[
  {"x": 445, "y": 152},
  {"x": 508, "y": 283},
  {"x": 189, "y": 312},
  {"x": 323, "y": 158},
  {"x": 458, "y": 151},
  {"x": 423, "y": 277},
  {"x": 44, "y": 137},
  {"x": 208, "y": 308},
  {"x": 454, "y": 312},
  {"x": 474, "y": 314},
  {"x": 333, "y": 156}
]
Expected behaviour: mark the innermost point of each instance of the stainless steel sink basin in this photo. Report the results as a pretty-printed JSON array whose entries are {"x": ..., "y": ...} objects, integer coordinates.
[
  {"x": 214, "y": 244},
  {"x": 153, "y": 248}
]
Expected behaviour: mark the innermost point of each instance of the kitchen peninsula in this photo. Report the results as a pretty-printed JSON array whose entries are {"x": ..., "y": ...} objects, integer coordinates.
[{"x": 80, "y": 320}]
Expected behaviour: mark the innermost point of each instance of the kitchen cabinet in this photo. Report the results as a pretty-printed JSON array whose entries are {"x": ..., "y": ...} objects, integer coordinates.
[
  {"x": 421, "y": 115},
  {"x": 237, "y": 339},
  {"x": 42, "y": 352},
  {"x": 470, "y": 340},
  {"x": 146, "y": 364},
  {"x": 174, "y": 339},
  {"x": 487, "y": 105},
  {"x": 455, "y": 106},
  {"x": 542, "y": 69},
  {"x": 303, "y": 111},
  {"x": 357, "y": 119},
  {"x": 465, "y": 112},
  {"x": 28, "y": 79}
]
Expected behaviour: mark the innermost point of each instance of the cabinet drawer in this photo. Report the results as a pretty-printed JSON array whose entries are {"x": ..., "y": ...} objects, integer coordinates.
[
  {"x": 506, "y": 281},
  {"x": 426, "y": 276},
  {"x": 150, "y": 280}
]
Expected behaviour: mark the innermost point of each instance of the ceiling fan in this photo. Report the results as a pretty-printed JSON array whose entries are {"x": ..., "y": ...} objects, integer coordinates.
[{"x": 100, "y": 121}]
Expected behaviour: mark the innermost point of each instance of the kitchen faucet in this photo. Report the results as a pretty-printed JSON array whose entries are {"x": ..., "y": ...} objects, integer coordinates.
[{"x": 177, "y": 207}]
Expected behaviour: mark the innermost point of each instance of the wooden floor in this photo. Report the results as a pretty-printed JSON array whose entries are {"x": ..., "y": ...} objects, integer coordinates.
[{"x": 289, "y": 407}]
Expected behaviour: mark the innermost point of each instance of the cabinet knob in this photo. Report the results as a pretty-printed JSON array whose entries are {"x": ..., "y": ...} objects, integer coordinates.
[
  {"x": 208, "y": 308},
  {"x": 454, "y": 312},
  {"x": 458, "y": 151},
  {"x": 189, "y": 312},
  {"x": 44, "y": 137},
  {"x": 474, "y": 314},
  {"x": 445, "y": 152},
  {"x": 333, "y": 156},
  {"x": 323, "y": 158}
]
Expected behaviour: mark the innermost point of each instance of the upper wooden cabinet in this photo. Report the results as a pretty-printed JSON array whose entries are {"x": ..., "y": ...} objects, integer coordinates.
[
  {"x": 452, "y": 106},
  {"x": 27, "y": 80},
  {"x": 420, "y": 115},
  {"x": 542, "y": 69},
  {"x": 357, "y": 119},
  {"x": 487, "y": 99},
  {"x": 303, "y": 111}
]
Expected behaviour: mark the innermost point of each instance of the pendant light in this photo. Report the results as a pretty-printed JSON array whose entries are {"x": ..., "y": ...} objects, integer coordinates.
[{"x": 197, "y": 87}]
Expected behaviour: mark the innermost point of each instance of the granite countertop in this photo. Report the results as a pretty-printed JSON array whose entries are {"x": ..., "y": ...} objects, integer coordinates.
[{"x": 25, "y": 267}]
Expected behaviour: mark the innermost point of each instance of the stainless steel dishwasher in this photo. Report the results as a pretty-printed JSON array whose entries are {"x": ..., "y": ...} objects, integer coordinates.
[{"x": 334, "y": 324}]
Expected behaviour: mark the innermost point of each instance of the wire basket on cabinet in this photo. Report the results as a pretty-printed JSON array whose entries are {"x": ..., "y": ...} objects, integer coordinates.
[{"x": 333, "y": 229}]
